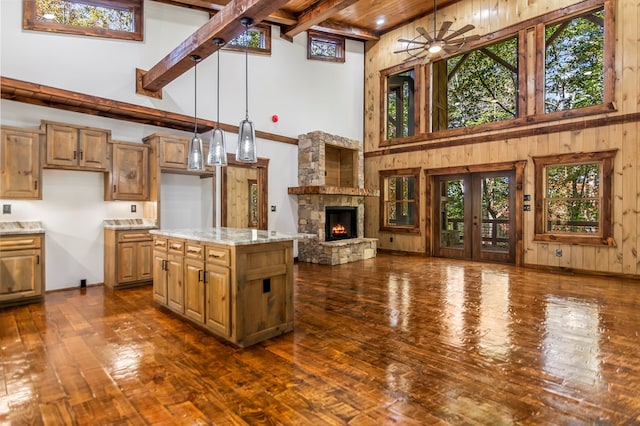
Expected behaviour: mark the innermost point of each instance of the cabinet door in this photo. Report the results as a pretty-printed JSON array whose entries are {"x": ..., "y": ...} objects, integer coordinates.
[
  {"x": 217, "y": 297},
  {"x": 144, "y": 260},
  {"x": 194, "y": 289},
  {"x": 20, "y": 165},
  {"x": 130, "y": 172},
  {"x": 173, "y": 153},
  {"x": 93, "y": 148},
  {"x": 175, "y": 287},
  {"x": 159, "y": 277},
  {"x": 127, "y": 254},
  {"x": 62, "y": 145},
  {"x": 20, "y": 274}
]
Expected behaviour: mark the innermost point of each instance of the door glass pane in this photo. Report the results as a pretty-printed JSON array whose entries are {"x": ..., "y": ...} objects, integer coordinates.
[
  {"x": 452, "y": 213},
  {"x": 495, "y": 214}
]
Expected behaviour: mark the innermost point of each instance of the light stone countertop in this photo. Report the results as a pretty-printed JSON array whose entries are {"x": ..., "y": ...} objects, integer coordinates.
[
  {"x": 230, "y": 236},
  {"x": 21, "y": 227},
  {"x": 125, "y": 224}
]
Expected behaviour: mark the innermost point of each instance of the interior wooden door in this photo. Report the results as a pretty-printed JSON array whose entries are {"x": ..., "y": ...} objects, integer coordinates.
[
  {"x": 475, "y": 218},
  {"x": 244, "y": 195}
]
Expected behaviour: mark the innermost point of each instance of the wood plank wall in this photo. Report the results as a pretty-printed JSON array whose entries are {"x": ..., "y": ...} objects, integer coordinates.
[{"x": 489, "y": 16}]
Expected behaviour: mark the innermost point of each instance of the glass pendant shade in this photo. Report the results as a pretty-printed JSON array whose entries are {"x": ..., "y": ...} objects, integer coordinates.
[
  {"x": 217, "y": 149},
  {"x": 195, "y": 154},
  {"x": 246, "y": 151}
]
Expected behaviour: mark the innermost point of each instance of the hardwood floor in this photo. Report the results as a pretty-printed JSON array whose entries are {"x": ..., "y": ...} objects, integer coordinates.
[{"x": 395, "y": 339}]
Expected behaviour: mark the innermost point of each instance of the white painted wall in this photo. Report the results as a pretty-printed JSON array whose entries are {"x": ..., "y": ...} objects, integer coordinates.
[{"x": 306, "y": 95}]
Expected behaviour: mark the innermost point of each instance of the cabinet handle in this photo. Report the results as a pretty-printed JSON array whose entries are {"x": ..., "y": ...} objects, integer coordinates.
[
  {"x": 114, "y": 188},
  {"x": 216, "y": 256},
  {"x": 190, "y": 250},
  {"x": 35, "y": 184},
  {"x": 200, "y": 279},
  {"x": 75, "y": 155},
  {"x": 164, "y": 265},
  {"x": 81, "y": 154},
  {"x": 37, "y": 259}
]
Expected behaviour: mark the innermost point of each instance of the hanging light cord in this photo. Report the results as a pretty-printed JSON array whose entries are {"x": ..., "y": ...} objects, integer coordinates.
[
  {"x": 218, "y": 93},
  {"x": 195, "y": 58},
  {"x": 435, "y": 5},
  {"x": 246, "y": 73}
]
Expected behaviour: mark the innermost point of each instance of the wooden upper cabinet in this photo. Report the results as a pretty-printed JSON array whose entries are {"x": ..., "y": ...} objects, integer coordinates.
[
  {"x": 20, "y": 163},
  {"x": 171, "y": 151},
  {"x": 75, "y": 147},
  {"x": 129, "y": 177}
]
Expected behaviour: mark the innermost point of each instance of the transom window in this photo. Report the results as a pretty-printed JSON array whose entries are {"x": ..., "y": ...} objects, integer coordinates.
[
  {"x": 258, "y": 39},
  {"x": 574, "y": 62},
  {"x": 399, "y": 201},
  {"x": 101, "y": 18},
  {"x": 325, "y": 47},
  {"x": 573, "y": 198}
]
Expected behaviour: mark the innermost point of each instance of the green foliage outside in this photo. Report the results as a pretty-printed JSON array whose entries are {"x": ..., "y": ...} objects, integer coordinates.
[
  {"x": 69, "y": 12},
  {"x": 253, "y": 38},
  {"x": 400, "y": 104},
  {"x": 572, "y": 198},
  {"x": 482, "y": 89},
  {"x": 574, "y": 67}
]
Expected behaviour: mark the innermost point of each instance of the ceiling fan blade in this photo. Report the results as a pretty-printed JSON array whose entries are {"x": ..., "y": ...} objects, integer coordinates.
[
  {"x": 409, "y": 49},
  {"x": 424, "y": 34},
  {"x": 443, "y": 29},
  {"x": 463, "y": 40},
  {"x": 404, "y": 40},
  {"x": 456, "y": 33}
]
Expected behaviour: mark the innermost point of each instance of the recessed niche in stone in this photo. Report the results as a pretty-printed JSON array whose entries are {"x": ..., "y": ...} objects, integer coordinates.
[{"x": 341, "y": 166}]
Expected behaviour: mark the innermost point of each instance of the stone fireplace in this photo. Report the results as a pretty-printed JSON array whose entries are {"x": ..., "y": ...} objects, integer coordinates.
[{"x": 331, "y": 188}]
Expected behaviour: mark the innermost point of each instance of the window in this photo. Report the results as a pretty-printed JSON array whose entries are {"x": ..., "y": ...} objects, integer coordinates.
[
  {"x": 399, "y": 202},
  {"x": 325, "y": 47},
  {"x": 100, "y": 18},
  {"x": 574, "y": 62},
  {"x": 400, "y": 112},
  {"x": 573, "y": 198},
  {"x": 258, "y": 37},
  {"x": 476, "y": 87}
]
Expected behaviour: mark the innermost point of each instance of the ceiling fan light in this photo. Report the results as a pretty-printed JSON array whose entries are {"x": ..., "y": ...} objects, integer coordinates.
[{"x": 436, "y": 47}]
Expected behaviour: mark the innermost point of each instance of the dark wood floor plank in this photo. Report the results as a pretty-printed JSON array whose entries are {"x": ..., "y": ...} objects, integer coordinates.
[{"x": 390, "y": 340}]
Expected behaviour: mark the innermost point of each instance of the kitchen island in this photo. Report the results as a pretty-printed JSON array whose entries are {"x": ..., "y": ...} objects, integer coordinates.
[{"x": 237, "y": 283}]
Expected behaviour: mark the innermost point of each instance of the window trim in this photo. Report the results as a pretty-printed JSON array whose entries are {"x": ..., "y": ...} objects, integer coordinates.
[
  {"x": 418, "y": 71},
  {"x": 29, "y": 21},
  {"x": 262, "y": 28},
  {"x": 313, "y": 35},
  {"x": 605, "y": 236},
  {"x": 411, "y": 229}
]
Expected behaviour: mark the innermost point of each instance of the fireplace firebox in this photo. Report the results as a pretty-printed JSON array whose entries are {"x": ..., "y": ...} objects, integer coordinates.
[{"x": 341, "y": 223}]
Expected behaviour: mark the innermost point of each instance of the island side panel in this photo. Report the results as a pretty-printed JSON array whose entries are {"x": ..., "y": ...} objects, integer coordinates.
[{"x": 264, "y": 287}]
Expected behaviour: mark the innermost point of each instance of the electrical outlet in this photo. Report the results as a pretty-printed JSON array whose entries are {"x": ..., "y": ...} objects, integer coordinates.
[
  {"x": 6, "y": 209},
  {"x": 390, "y": 239},
  {"x": 558, "y": 252},
  {"x": 273, "y": 208},
  {"x": 133, "y": 208}
]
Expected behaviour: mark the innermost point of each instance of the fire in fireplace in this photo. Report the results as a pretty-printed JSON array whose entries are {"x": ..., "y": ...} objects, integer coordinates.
[{"x": 341, "y": 223}]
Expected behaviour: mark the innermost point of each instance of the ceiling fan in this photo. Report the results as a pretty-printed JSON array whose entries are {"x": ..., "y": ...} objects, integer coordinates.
[{"x": 442, "y": 40}]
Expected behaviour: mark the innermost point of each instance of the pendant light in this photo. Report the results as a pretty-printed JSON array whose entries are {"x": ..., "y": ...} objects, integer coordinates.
[
  {"x": 246, "y": 151},
  {"x": 195, "y": 146},
  {"x": 217, "y": 147}
]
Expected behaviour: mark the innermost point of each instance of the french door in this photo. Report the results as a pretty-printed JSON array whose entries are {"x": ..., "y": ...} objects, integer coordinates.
[{"x": 475, "y": 216}]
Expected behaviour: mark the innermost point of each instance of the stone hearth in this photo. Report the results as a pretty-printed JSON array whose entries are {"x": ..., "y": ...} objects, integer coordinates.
[{"x": 330, "y": 173}]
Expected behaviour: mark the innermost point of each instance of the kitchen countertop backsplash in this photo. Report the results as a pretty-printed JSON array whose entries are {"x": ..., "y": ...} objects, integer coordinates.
[{"x": 124, "y": 224}]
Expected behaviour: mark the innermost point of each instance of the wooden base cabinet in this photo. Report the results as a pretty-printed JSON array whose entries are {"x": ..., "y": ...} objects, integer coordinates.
[
  {"x": 21, "y": 268},
  {"x": 128, "y": 258},
  {"x": 242, "y": 293}
]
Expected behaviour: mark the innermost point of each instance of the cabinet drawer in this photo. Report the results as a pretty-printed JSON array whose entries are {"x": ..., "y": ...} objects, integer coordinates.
[
  {"x": 134, "y": 236},
  {"x": 20, "y": 242},
  {"x": 175, "y": 246},
  {"x": 195, "y": 251},
  {"x": 160, "y": 244},
  {"x": 218, "y": 255}
]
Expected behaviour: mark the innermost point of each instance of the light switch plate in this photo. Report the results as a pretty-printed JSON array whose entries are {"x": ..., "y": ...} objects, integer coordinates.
[{"x": 6, "y": 209}]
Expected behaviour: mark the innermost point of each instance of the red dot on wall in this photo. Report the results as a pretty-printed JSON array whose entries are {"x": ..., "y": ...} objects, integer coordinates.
[{"x": 274, "y": 118}]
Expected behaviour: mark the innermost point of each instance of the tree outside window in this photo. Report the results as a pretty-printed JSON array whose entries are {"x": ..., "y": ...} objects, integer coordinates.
[
  {"x": 574, "y": 62},
  {"x": 399, "y": 201},
  {"x": 573, "y": 198},
  {"x": 476, "y": 87},
  {"x": 400, "y": 96},
  {"x": 325, "y": 47},
  {"x": 257, "y": 39}
]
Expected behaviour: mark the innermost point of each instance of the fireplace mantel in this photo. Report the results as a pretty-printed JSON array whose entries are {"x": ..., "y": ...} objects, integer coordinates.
[{"x": 333, "y": 190}]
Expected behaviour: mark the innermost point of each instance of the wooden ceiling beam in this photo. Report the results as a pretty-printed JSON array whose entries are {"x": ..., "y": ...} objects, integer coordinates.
[
  {"x": 225, "y": 25},
  {"x": 316, "y": 14},
  {"x": 281, "y": 17},
  {"x": 346, "y": 31}
]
